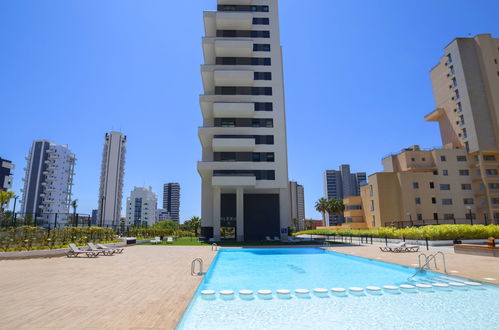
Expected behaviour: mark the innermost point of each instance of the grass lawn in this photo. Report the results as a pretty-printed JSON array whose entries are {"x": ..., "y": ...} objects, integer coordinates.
[{"x": 192, "y": 241}]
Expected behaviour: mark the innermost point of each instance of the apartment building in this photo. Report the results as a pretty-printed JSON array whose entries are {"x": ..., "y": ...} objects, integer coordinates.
[
  {"x": 48, "y": 181},
  {"x": 141, "y": 207},
  {"x": 244, "y": 168},
  {"x": 340, "y": 184},
  {"x": 171, "y": 200},
  {"x": 417, "y": 187},
  {"x": 111, "y": 180},
  {"x": 297, "y": 194},
  {"x": 162, "y": 215},
  {"x": 6, "y": 176},
  {"x": 466, "y": 90}
]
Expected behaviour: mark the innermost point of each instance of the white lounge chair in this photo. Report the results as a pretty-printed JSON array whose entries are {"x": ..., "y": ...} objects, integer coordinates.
[
  {"x": 115, "y": 249},
  {"x": 399, "y": 247},
  {"x": 277, "y": 239},
  {"x": 106, "y": 252},
  {"x": 75, "y": 251},
  {"x": 268, "y": 239},
  {"x": 169, "y": 240},
  {"x": 156, "y": 240}
]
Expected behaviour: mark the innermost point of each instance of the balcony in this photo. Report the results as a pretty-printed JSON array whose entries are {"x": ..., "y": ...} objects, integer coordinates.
[
  {"x": 212, "y": 77},
  {"x": 353, "y": 213},
  {"x": 233, "y": 181},
  {"x": 435, "y": 115},
  {"x": 206, "y": 168},
  {"x": 236, "y": 144},
  {"x": 233, "y": 110},
  {"x": 206, "y": 133}
]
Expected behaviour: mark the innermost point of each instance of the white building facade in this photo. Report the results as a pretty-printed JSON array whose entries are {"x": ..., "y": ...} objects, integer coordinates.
[
  {"x": 48, "y": 180},
  {"x": 141, "y": 207},
  {"x": 244, "y": 170},
  {"x": 111, "y": 180}
]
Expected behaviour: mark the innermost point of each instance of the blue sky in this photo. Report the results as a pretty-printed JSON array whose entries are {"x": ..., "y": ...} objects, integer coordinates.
[{"x": 356, "y": 78}]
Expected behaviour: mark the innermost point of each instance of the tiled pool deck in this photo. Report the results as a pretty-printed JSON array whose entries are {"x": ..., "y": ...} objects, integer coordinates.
[{"x": 145, "y": 287}]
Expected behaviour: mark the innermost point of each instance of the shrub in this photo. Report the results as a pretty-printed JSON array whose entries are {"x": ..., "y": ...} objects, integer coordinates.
[{"x": 437, "y": 232}]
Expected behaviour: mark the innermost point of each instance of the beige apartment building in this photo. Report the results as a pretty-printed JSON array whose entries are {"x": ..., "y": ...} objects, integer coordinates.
[{"x": 466, "y": 89}]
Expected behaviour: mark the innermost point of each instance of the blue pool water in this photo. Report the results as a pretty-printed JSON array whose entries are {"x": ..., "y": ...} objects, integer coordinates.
[{"x": 309, "y": 268}]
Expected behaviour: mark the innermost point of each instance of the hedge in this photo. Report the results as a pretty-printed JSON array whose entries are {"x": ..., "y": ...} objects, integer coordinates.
[
  {"x": 36, "y": 238},
  {"x": 436, "y": 232},
  {"x": 142, "y": 233}
]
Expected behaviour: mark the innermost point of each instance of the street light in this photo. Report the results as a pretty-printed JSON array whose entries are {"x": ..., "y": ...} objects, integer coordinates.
[
  {"x": 14, "y": 210},
  {"x": 471, "y": 214},
  {"x": 410, "y": 219}
]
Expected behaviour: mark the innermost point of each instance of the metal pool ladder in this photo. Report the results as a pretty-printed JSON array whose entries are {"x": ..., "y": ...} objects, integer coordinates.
[
  {"x": 193, "y": 267},
  {"x": 214, "y": 247},
  {"x": 427, "y": 260}
]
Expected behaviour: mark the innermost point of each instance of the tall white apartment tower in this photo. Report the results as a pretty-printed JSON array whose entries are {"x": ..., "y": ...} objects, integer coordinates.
[
  {"x": 47, "y": 183},
  {"x": 297, "y": 193},
  {"x": 141, "y": 207},
  {"x": 171, "y": 200},
  {"x": 244, "y": 166},
  {"x": 111, "y": 179}
]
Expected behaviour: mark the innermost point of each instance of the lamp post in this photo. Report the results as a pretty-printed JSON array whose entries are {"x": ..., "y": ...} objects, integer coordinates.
[
  {"x": 471, "y": 214},
  {"x": 410, "y": 218},
  {"x": 14, "y": 210}
]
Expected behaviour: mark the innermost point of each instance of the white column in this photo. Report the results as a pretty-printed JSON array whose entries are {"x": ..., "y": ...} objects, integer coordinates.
[
  {"x": 216, "y": 213},
  {"x": 240, "y": 214}
]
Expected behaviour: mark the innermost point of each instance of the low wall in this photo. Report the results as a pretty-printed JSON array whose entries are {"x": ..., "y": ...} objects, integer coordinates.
[
  {"x": 46, "y": 253},
  {"x": 479, "y": 250}
]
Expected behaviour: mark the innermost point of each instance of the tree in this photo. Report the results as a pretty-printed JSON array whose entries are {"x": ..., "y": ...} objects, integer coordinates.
[
  {"x": 309, "y": 224},
  {"x": 5, "y": 197},
  {"x": 296, "y": 224},
  {"x": 193, "y": 224},
  {"x": 322, "y": 205},
  {"x": 167, "y": 224},
  {"x": 74, "y": 205},
  {"x": 335, "y": 206}
]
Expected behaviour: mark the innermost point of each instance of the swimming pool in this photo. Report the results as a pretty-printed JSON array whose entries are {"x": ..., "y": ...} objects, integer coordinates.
[{"x": 455, "y": 306}]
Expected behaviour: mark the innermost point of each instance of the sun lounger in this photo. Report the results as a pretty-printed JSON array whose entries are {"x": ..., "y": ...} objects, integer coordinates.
[
  {"x": 399, "y": 247},
  {"x": 75, "y": 251},
  {"x": 169, "y": 240},
  {"x": 277, "y": 239},
  {"x": 156, "y": 240},
  {"x": 268, "y": 239},
  {"x": 115, "y": 249},
  {"x": 106, "y": 252}
]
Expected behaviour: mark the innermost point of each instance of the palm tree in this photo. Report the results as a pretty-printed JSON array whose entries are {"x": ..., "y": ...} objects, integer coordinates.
[
  {"x": 195, "y": 223},
  {"x": 336, "y": 206},
  {"x": 322, "y": 205},
  {"x": 74, "y": 205},
  {"x": 5, "y": 197}
]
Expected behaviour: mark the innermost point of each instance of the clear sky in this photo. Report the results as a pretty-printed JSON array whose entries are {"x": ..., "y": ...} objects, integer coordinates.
[{"x": 356, "y": 77}]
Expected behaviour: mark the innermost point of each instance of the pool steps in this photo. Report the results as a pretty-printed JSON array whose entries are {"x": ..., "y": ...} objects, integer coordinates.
[{"x": 437, "y": 282}]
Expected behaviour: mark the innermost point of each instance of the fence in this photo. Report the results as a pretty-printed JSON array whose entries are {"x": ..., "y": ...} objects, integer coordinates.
[{"x": 453, "y": 221}]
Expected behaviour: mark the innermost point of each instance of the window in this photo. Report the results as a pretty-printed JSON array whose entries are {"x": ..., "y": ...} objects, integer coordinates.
[
  {"x": 445, "y": 187},
  {"x": 445, "y": 172},
  {"x": 242, "y": 90},
  {"x": 413, "y": 159},
  {"x": 415, "y": 185},
  {"x": 264, "y": 9},
  {"x": 464, "y": 172},
  {"x": 467, "y": 216},
  {"x": 461, "y": 158},
  {"x": 493, "y": 185},
  {"x": 259, "y": 139},
  {"x": 459, "y": 107},
  {"x": 491, "y": 171},
  {"x": 372, "y": 205},
  {"x": 243, "y": 61},
  {"x": 419, "y": 216},
  {"x": 452, "y": 69},
  {"x": 242, "y": 34},
  {"x": 423, "y": 159},
  {"x": 443, "y": 158},
  {"x": 448, "y": 216},
  {"x": 435, "y": 216},
  {"x": 447, "y": 201},
  {"x": 433, "y": 200},
  {"x": 259, "y": 174},
  {"x": 465, "y": 186},
  {"x": 468, "y": 201},
  {"x": 461, "y": 120},
  {"x": 262, "y": 75},
  {"x": 261, "y": 47},
  {"x": 449, "y": 58},
  {"x": 489, "y": 157},
  {"x": 435, "y": 172},
  {"x": 263, "y": 106},
  {"x": 456, "y": 93},
  {"x": 417, "y": 200},
  {"x": 454, "y": 81},
  {"x": 260, "y": 20}
]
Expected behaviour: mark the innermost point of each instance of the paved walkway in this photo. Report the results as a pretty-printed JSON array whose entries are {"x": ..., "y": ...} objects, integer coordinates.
[
  {"x": 479, "y": 268},
  {"x": 145, "y": 287}
]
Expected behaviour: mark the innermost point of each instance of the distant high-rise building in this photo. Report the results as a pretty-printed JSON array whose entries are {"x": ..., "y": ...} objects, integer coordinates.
[
  {"x": 466, "y": 89},
  {"x": 141, "y": 207},
  {"x": 340, "y": 184},
  {"x": 244, "y": 169},
  {"x": 94, "y": 217},
  {"x": 111, "y": 179},
  {"x": 162, "y": 215},
  {"x": 297, "y": 194},
  {"x": 48, "y": 182},
  {"x": 6, "y": 177},
  {"x": 171, "y": 200}
]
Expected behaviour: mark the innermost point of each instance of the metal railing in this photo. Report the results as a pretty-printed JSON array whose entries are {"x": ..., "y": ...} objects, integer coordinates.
[
  {"x": 193, "y": 267},
  {"x": 426, "y": 264}
]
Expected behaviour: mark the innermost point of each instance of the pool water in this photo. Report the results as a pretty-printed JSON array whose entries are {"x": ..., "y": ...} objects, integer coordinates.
[{"x": 466, "y": 307}]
